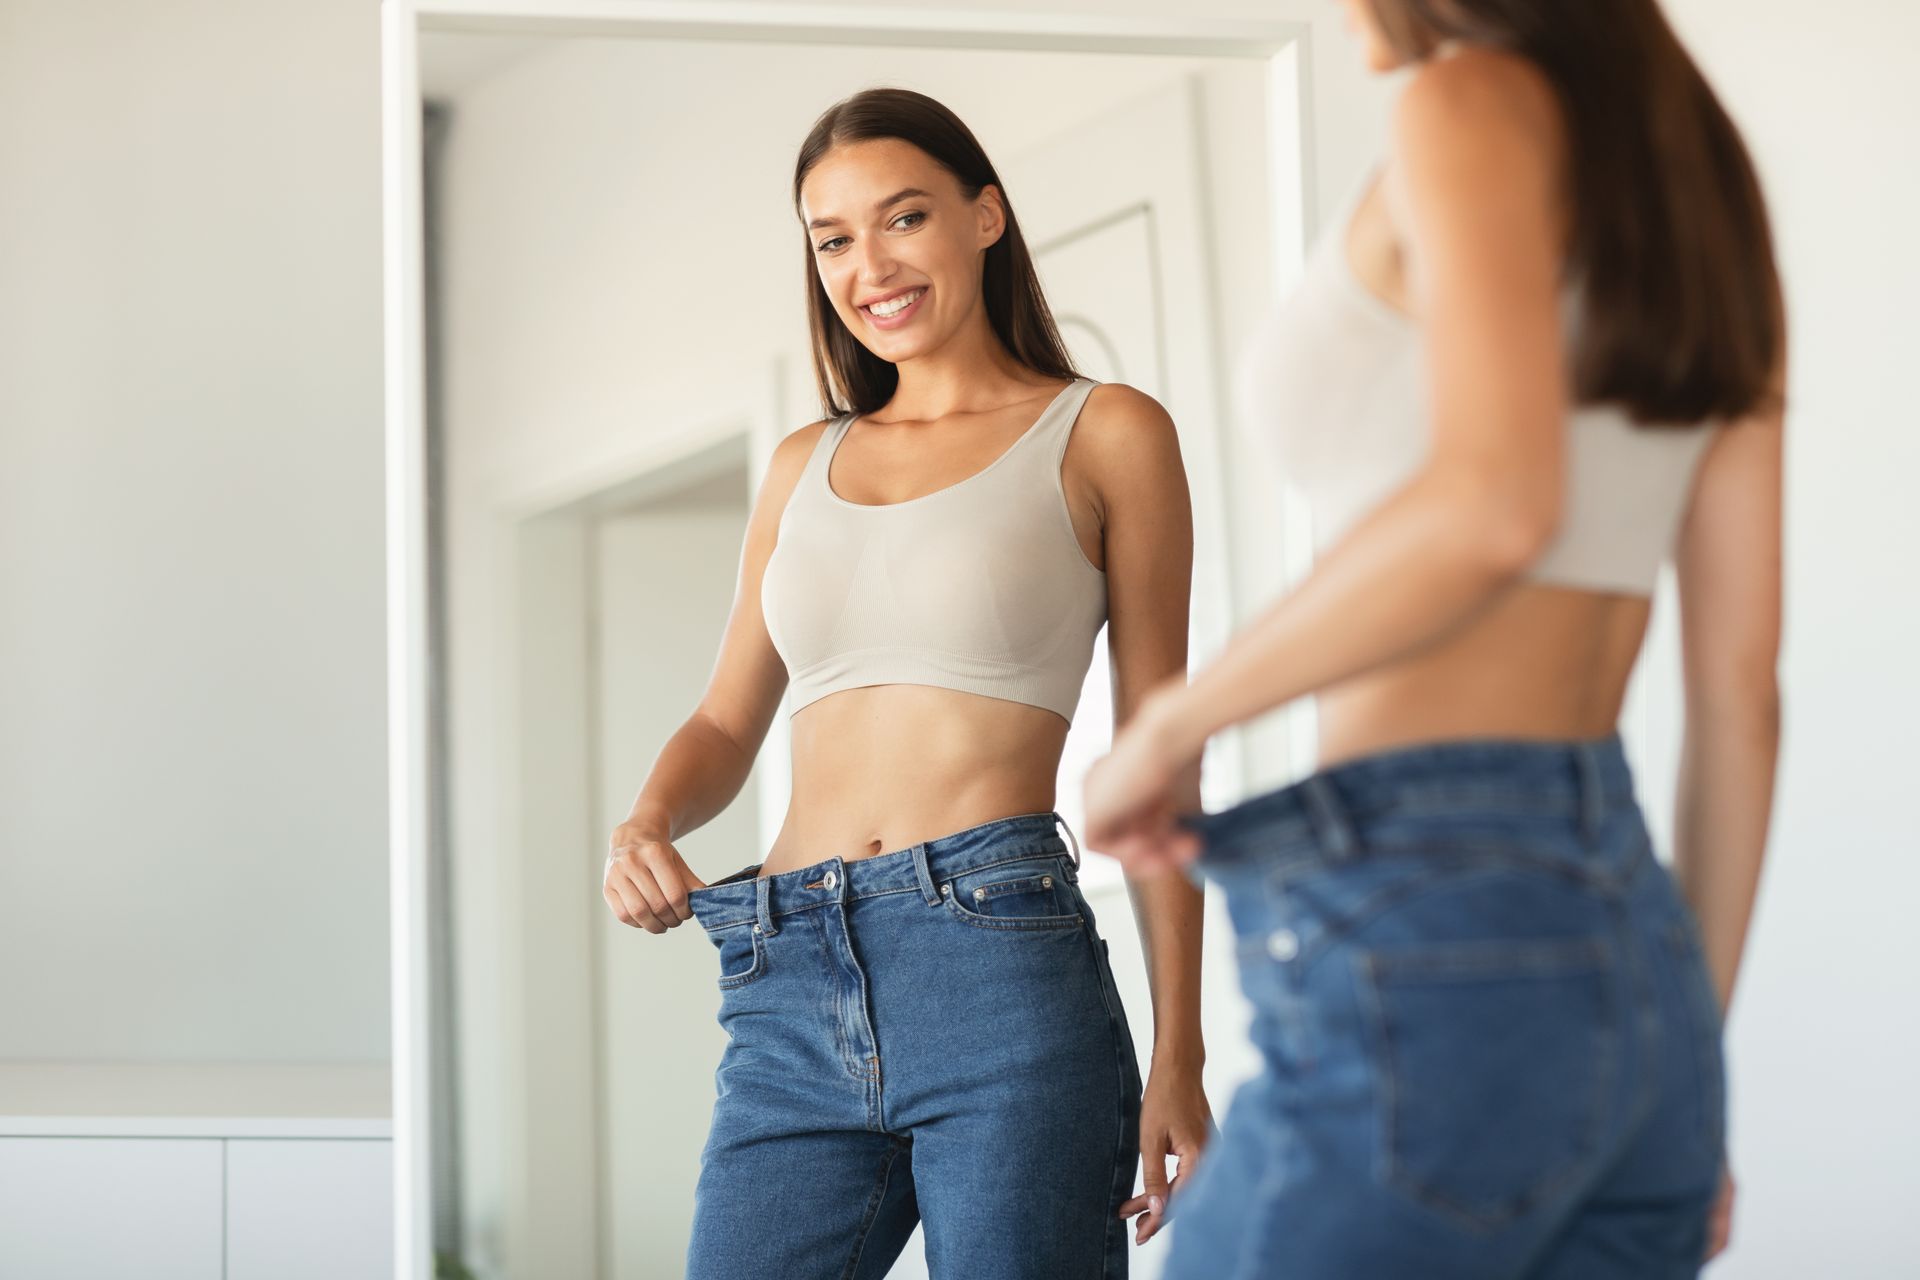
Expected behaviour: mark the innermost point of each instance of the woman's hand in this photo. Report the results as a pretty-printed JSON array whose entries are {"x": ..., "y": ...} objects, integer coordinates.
[
  {"x": 1720, "y": 1222},
  {"x": 1174, "y": 1120},
  {"x": 1127, "y": 796},
  {"x": 646, "y": 879}
]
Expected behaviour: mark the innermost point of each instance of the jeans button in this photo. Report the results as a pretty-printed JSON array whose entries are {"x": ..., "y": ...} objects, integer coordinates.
[
  {"x": 831, "y": 880},
  {"x": 1283, "y": 944}
]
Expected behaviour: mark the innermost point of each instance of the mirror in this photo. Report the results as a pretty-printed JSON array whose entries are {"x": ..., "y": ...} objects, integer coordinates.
[{"x": 613, "y": 340}]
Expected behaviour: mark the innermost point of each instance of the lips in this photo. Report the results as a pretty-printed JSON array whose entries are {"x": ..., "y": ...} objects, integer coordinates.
[{"x": 893, "y": 314}]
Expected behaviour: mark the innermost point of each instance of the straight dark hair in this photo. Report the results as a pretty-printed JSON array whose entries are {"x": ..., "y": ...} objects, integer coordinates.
[
  {"x": 1670, "y": 240},
  {"x": 851, "y": 379}
]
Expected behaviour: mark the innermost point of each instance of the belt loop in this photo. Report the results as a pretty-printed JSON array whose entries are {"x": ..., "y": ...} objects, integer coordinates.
[
  {"x": 1331, "y": 825},
  {"x": 1592, "y": 786},
  {"x": 1064, "y": 826},
  {"x": 763, "y": 906},
  {"x": 924, "y": 875}
]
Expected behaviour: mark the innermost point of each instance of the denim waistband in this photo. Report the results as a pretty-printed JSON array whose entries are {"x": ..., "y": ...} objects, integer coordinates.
[
  {"x": 1584, "y": 781},
  {"x": 746, "y": 897}
]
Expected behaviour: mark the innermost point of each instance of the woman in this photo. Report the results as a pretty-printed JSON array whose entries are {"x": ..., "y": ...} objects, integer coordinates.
[
  {"x": 923, "y": 1023},
  {"x": 1544, "y": 349}
]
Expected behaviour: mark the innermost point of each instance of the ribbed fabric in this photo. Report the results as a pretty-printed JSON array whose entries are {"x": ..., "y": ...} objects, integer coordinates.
[
  {"x": 980, "y": 586},
  {"x": 1333, "y": 387}
]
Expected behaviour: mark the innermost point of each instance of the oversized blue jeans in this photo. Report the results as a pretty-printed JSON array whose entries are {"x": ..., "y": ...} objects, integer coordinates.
[
  {"x": 1490, "y": 1047},
  {"x": 930, "y": 1036}
]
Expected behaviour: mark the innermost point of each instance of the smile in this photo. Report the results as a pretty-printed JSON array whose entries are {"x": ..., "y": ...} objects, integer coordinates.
[{"x": 895, "y": 307}]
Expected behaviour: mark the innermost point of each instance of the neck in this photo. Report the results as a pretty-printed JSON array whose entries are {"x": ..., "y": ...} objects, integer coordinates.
[{"x": 971, "y": 371}]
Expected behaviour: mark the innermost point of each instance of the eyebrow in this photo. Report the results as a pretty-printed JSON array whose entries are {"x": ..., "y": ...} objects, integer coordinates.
[{"x": 905, "y": 193}]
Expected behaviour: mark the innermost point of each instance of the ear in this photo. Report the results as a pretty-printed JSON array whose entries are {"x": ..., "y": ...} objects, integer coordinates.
[{"x": 990, "y": 213}]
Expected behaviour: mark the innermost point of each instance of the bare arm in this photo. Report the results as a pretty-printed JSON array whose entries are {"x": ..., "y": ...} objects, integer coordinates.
[
  {"x": 1728, "y": 561},
  {"x": 708, "y": 758},
  {"x": 1148, "y": 537},
  {"x": 1149, "y": 563},
  {"x": 1479, "y": 174}
]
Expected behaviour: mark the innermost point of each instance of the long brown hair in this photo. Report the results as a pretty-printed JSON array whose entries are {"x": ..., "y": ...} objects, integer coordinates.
[
  {"x": 851, "y": 378},
  {"x": 1670, "y": 240}
]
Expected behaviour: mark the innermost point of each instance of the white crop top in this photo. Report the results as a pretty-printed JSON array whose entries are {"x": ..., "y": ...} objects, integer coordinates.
[
  {"x": 1333, "y": 386},
  {"x": 980, "y": 586}
]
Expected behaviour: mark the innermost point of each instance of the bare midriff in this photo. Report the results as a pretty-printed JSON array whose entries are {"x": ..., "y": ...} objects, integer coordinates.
[
  {"x": 1542, "y": 662},
  {"x": 880, "y": 768}
]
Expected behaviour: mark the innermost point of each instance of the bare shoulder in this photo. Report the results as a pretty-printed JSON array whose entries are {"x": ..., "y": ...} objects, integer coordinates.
[
  {"x": 1128, "y": 449},
  {"x": 1478, "y": 102},
  {"x": 1125, "y": 419}
]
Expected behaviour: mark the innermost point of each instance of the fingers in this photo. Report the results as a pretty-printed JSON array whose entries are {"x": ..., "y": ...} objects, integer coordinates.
[
  {"x": 646, "y": 885},
  {"x": 669, "y": 879},
  {"x": 628, "y": 904},
  {"x": 1153, "y": 1180}
]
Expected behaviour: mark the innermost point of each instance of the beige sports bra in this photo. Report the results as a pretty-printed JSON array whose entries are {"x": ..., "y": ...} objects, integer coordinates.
[
  {"x": 1333, "y": 386},
  {"x": 980, "y": 586}
]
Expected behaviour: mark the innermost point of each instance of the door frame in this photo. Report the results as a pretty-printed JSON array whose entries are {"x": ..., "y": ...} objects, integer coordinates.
[{"x": 413, "y": 759}]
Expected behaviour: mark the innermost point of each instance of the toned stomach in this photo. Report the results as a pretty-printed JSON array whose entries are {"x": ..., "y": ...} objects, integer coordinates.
[
  {"x": 1541, "y": 662},
  {"x": 879, "y": 768}
]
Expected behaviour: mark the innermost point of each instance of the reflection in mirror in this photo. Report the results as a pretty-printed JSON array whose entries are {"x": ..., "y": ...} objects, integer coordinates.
[{"x": 618, "y": 338}]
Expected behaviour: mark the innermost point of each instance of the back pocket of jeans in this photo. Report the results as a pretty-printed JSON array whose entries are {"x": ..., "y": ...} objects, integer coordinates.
[
  {"x": 743, "y": 955},
  {"x": 1493, "y": 1063}
]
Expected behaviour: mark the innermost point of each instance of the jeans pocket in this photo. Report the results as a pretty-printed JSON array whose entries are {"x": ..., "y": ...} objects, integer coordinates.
[
  {"x": 743, "y": 954},
  {"x": 1493, "y": 1063},
  {"x": 1030, "y": 894}
]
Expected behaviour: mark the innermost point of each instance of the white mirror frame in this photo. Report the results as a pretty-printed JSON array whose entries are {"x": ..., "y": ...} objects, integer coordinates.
[{"x": 410, "y": 767}]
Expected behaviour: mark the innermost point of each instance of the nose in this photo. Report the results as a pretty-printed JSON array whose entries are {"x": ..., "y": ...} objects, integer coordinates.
[{"x": 875, "y": 264}]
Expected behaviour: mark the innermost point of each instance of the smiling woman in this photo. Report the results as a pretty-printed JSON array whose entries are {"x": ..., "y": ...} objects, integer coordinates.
[
  {"x": 930, "y": 611},
  {"x": 629, "y": 388},
  {"x": 948, "y": 219}
]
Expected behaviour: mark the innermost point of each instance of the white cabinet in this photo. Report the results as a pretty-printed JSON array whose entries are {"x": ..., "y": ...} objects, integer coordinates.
[
  {"x": 110, "y": 1208},
  {"x": 314, "y": 1209},
  {"x": 87, "y": 1206},
  {"x": 111, "y": 1172}
]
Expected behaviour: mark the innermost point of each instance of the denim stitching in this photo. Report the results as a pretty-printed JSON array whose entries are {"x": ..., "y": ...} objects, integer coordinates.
[
  {"x": 1334, "y": 927},
  {"x": 829, "y": 1003},
  {"x": 728, "y": 981},
  {"x": 881, "y": 893},
  {"x": 894, "y": 1148},
  {"x": 1480, "y": 1220},
  {"x": 1703, "y": 1030},
  {"x": 1016, "y": 924},
  {"x": 1115, "y": 1232}
]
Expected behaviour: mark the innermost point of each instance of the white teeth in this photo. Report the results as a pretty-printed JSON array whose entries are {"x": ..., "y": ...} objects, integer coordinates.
[{"x": 893, "y": 305}]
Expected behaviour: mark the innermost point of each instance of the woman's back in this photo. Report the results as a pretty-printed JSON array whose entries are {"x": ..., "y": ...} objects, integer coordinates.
[{"x": 1336, "y": 387}]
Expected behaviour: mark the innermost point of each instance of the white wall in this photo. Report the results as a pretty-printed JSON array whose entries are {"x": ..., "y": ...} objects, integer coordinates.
[
  {"x": 191, "y": 831},
  {"x": 192, "y": 821},
  {"x": 1826, "y": 1024}
]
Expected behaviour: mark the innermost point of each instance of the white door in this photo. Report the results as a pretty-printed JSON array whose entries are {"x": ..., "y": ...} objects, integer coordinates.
[{"x": 663, "y": 583}]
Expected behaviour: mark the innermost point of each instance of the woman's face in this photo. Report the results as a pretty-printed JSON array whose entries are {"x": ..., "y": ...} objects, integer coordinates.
[
  {"x": 1374, "y": 45},
  {"x": 897, "y": 244}
]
